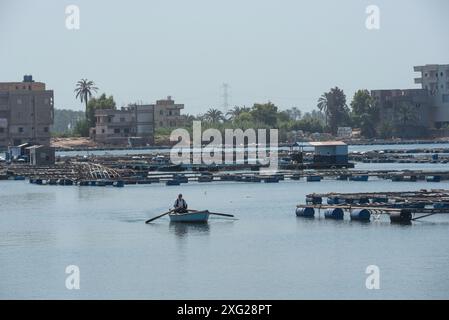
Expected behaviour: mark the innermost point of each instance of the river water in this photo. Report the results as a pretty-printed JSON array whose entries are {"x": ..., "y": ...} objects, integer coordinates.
[{"x": 265, "y": 253}]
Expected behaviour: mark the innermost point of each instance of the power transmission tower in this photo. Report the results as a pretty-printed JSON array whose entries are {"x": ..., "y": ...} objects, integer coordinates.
[{"x": 225, "y": 97}]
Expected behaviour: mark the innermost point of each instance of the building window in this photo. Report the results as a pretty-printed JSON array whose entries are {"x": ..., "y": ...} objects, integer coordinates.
[
  {"x": 117, "y": 130},
  {"x": 19, "y": 101},
  {"x": 161, "y": 124},
  {"x": 446, "y": 98},
  {"x": 122, "y": 119},
  {"x": 29, "y": 87},
  {"x": 2, "y": 130},
  {"x": 20, "y": 129},
  {"x": 126, "y": 130},
  {"x": 170, "y": 113},
  {"x": 102, "y": 130},
  {"x": 161, "y": 112},
  {"x": 426, "y": 75},
  {"x": 45, "y": 129}
]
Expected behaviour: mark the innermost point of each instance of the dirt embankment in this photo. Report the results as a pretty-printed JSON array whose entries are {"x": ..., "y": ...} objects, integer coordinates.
[{"x": 73, "y": 143}]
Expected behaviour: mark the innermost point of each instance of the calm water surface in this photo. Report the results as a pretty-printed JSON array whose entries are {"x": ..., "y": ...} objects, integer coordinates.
[{"x": 266, "y": 253}]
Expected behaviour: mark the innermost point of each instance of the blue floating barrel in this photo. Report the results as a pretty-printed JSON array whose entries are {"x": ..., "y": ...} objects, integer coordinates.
[
  {"x": 359, "y": 178},
  {"x": 360, "y": 215},
  {"x": 119, "y": 184},
  {"x": 272, "y": 179},
  {"x": 295, "y": 176},
  {"x": 305, "y": 212},
  {"x": 144, "y": 181},
  {"x": 100, "y": 183},
  {"x": 38, "y": 181},
  {"x": 441, "y": 205},
  {"x": 181, "y": 178},
  {"x": 313, "y": 178},
  {"x": 205, "y": 178},
  {"x": 172, "y": 183},
  {"x": 343, "y": 177},
  {"x": 380, "y": 200},
  {"x": 433, "y": 179},
  {"x": 335, "y": 200},
  {"x": 403, "y": 216},
  {"x": 334, "y": 213},
  {"x": 83, "y": 183},
  {"x": 363, "y": 200},
  {"x": 314, "y": 200}
]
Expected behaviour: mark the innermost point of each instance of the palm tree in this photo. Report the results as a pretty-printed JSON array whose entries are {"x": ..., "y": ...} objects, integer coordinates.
[
  {"x": 236, "y": 111},
  {"x": 84, "y": 89},
  {"x": 323, "y": 105},
  {"x": 214, "y": 115}
]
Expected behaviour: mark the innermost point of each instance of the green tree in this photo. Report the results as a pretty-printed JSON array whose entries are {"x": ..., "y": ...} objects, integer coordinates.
[
  {"x": 84, "y": 89},
  {"x": 102, "y": 102},
  {"x": 364, "y": 113},
  {"x": 333, "y": 105},
  {"x": 265, "y": 113},
  {"x": 81, "y": 128},
  {"x": 405, "y": 113},
  {"x": 294, "y": 113},
  {"x": 386, "y": 130},
  {"x": 236, "y": 111},
  {"x": 213, "y": 115}
]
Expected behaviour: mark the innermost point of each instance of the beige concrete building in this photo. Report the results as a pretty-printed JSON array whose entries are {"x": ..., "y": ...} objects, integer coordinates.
[
  {"x": 167, "y": 114},
  {"x": 123, "y": 126},
  {"x": 26, "y": 112}
]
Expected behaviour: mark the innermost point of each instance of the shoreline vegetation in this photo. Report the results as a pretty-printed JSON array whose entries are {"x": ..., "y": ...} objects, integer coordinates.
[{"x": 333, "y": 111}]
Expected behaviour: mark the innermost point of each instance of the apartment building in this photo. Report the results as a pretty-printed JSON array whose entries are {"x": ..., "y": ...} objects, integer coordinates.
[
  {"x": 26, "y": 112},
  {"x": 435, "y": 79},
  {"x": 409, "y": 112},
  {"x": 167, "y": 114},
  {"x": 122, "y": 126}
]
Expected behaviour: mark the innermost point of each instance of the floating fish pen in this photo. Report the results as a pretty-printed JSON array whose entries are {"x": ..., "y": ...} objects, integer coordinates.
[{"x": 402, "y": 207}]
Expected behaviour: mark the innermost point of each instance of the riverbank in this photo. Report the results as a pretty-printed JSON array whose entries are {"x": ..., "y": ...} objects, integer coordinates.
[{"x": 86, "y": 144}]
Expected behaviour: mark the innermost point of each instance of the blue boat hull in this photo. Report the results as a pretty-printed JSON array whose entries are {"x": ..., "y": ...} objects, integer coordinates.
[{"x": 192, "y": 217}]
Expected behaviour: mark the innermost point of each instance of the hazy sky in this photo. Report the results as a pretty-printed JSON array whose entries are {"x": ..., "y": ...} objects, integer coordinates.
[{"x": 288, "y": 52}]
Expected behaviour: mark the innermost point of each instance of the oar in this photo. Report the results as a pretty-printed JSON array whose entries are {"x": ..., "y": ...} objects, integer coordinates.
[
  {"x": 222, "y": 214},
  {"x": 215, "y": 213},
  {"x": 164, "y": 214}
]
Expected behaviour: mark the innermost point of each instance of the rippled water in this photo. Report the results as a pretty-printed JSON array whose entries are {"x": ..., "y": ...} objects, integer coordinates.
[{"x": 267, "y": 252}]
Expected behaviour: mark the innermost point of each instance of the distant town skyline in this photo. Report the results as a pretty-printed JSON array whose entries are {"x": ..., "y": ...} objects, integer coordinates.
[{"x": 288, "y": 52}]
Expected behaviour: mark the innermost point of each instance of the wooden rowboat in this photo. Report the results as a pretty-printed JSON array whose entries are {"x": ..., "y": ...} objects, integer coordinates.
[{"x": 190, "y": 216}]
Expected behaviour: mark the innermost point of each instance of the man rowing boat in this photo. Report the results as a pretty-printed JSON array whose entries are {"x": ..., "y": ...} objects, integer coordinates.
[{"x": 180, "y": 205}]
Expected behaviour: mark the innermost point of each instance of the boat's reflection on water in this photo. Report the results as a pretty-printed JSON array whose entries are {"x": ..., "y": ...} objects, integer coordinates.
[{"x": 182, "y": 230}]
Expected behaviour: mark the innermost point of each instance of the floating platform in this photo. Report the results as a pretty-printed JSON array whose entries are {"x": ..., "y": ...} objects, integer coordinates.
[{"x": 402, "y": 207}]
